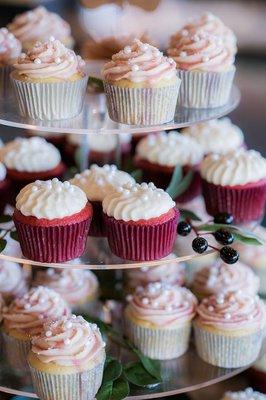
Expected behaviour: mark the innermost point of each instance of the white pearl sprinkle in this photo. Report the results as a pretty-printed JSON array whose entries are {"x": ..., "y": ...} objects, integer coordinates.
[
  {"x": 67, "y": 342},
  {"x": 144, "y": 47},
  {"x": 55, "y": 180},
  {"x": 48, "y": 334},
  {"x": 183, "y": 54},
  {"x": 34, "y": 189},
  {"x": 227, "y": 316},
  {"x": 37, "y": 61},
  {"x": 127, "y": 50},
  {"x": 129, "y": 297},
  {"x": 145, "y": 301},
  {"x": 69, "y": 325},
  {"x": 58, "y": 60},
  {"x": 135, "y": 67},
  {"x": 66, "y": 184},
  {"x": 52, "y": 39}
]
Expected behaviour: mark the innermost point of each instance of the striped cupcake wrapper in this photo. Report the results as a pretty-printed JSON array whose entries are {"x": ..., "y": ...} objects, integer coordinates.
[{"x": 16, "y": 352}]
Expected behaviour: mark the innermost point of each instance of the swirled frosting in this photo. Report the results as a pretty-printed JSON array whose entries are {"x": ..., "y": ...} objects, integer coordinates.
[
  {"x": 247, "y": 394},
  {"x": 13, "y": 281},
  {"x": 216, "y": 136},
  {"x": 39, "y": 24},
  {"x": 224, "y": 278},
  {"x": 96, "y": 142},
  {"x": 50, "y": 59},
  {"x": 69, "y": 342},
  {"x": 232, "y": 311},
  {"x": 170, "y": 149},
  {"x": 2, "y": 172},
  {"x": 50, "y": 199},
  {"x": 234, "y": 168},
  {"x": 74, "y": 285},
  {"x": 255, "y": 256},
  {"x": 29, "y": 313},
  {"x": 162, "y": 305},
  {"x": 32, "y": 155},
  {"x": 97, "y": 181},
  {"x": 134, "y": 202},
  {"x": 10, "y": 47},
  {"x": 139, "y": 63}
]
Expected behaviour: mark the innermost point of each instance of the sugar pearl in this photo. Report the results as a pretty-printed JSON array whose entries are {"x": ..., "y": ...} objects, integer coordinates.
[
  {"x": 67, "y": 342},
  {"x": 135, "y": 67},
  {"x": 127, "y": 49},
  {"x": 37, "y": 61},
  {"x": 58, "y": 60},
  {"x": 183, "y": 54},
  {"x": 145, "y": 301},
  {"x": 144, "y": 47},
  {"x": 69, "y": 325},
  {"x": 129, "y": 297},
  {"x": 52, "y": 39},
  {"x": 227, "y": 316},
  {"x": 48, "y": 334}
]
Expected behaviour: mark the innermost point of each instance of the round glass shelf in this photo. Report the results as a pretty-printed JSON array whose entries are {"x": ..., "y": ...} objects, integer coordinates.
[{"x": 94, "y": 117}]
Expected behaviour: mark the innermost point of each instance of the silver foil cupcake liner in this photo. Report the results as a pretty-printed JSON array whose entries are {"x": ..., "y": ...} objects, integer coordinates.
[
  {"x": 50, "y": 101},
  {"x": 159, "y": 344},
  {"x": 79, "y": 386},
  {"x": 141, "y": 106},
  {"x": 16, "y": 352},
  {"x": 227, "y": 351},
  {"x": 205, "y": 89}
]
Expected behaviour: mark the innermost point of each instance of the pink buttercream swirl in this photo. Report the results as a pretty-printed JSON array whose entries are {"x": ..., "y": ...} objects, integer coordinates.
[
  {"x": 69, "y": 342},
  {"x": 10, "y": 47},
  {"x": 162, "y": 304},
  {"x": 29, "y": 313},
  {"x": 232, "y": 311},
  {"x": 139, "y": 63},
  {"x": 50, "y": 59}
]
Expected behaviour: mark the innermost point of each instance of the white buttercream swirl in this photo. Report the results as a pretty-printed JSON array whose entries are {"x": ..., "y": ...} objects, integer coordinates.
[
  {"x": 13, "y": 281},
  {"x": 10, "y": 47},
  {"x": 96, "y": 141},
  {"x": 162, "y": 305},
  {"x": 32, "y": 155},
  {"x": 97, "y": 181},
  {"x": 247, "y": 394},
  {"x": 134, "y": 202},
  {"x": 69, "y": 342},
  {"x": 139, "y": 63},
  {"x": 170, "y": 149},
  {"x": 50, "y": 199},
  {"x": 216, "y": 136},
  {"x": 2, "y": 172},
  {"x": 234, "y": 168}
]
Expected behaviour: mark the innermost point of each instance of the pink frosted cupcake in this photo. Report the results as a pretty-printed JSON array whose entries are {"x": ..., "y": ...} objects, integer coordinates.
[
  {"x": 4, "y": 188},
  {"x": 158, "y": 320},
  {"x": 141, "y": 222},
  {"x": 97, "y": 182},
  {"x": 25, "y": 318},
  {"x": 235, "y": 183},
  {"x": 52, "y": 219},
  {"x": 67, "y": 360},
  {"x": 10, "y": 49},
  {"x": 14, "y": 281},
  {"x": 229, "y": 329}
]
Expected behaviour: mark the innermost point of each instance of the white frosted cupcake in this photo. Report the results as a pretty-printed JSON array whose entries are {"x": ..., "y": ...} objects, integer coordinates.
[
  {"x": 158, "y": 320},
  {"x": 247, "y": 394},
  {"x": 67, "y": 360},
  {"x": 229, "y": 329},
  {"x": 14, "y": 282},
  {"x": 10, "y": 50},
  {"x": 141, "y": 85}
]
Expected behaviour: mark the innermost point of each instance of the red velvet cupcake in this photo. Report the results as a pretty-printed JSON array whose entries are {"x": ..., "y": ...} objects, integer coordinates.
[
  {"x": 4, "y": 188},
  {"x": 235, "y": 183},
  {"x": 52, "y": 219},
  {"x": 141, "y": 222}
]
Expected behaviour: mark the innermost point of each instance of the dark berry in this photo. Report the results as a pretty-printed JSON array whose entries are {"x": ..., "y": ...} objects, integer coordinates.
[
  {"x": 223, "y": 218},
  {"x": 199, "y": 245},
  {"x": 224, "y": 237},
  {"x": 183, "y": 228},
  {"x": 229, "y": 255}
]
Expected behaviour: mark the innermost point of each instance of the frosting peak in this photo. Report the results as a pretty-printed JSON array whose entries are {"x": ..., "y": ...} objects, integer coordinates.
[
  {"x": 13, "y": 280},
  {"x": 10, "y": 47}
]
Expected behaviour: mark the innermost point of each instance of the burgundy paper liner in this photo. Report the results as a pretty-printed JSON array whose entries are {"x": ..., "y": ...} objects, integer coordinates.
[
  {"x": 245, "y": 204},
  {"x": 52, "y": 244},
  {"x": 97, "y": 227},
  {"x": 5, "y": 188},
  {"x": 141, "y": 242}
]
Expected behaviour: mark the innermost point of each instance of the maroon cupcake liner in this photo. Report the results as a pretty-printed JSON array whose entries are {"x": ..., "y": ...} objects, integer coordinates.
[
  {"x": 245, "y": 203},
  {"x": 4, "y": 194},
  {"x": 141, "y": 242},
  {"x": 97, "y": 227}
]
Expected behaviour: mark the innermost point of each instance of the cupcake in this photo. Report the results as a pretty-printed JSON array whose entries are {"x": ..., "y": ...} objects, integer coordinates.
[
  {"x": 158, "y": 320},
  {"x": 141, "y": 222},
  {"x": 247, "y": 394},
  {"x": 4, "y": 188},
  {"x": 41, "y": 82},
  {"x": 235, "y": 183},
  {"x": 39, "y": 25},
  {"x": 157, "y": 156},
  {"x": 223, "y": 278},
  {"x": 172, "y": 273},
  {"x": 204, "y": 51},
  {"x": 57, "y": 139},
  {"x": 24, "y": 319},
  {"x": 14, "y": 281},
  {"x": 216, "y": 136},
  {"x": 77, "y": 287},
  {"x": 229, "y": 329},
  {"x": 97, "y": 182},
  {"x": 29, "y": 159},
  {"x": 67, "y": 360},
  {"x": 141, "y": 85},
  {"x": 10, "y": 49},
  {"x": 52, "y": 219}
]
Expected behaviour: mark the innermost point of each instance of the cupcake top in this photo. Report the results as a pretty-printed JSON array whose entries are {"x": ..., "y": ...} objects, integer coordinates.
[
  {"x": 10, "y": 47},
  {"x": 97, "y": 181},
  {"x": 31, "y": 155},
  {"x": 2, "y": 172},
  {"x": 29, "y": 313},
  {"x": 224, "y": 278},
  {"x": 50, "y": 59},
  {"x": 74, "y": 285},
  {"x": 255, "y": 256},
  {"x": 97, "y": 142},
  {"x": 139, "y": 63},
  {"x": 170, "y": 149},
  {"x": 232, "y": 311},
  {"x": 247, "y": 394},
  {"x": 216, "y": 136},
  {"x": 234, "y": 168},
  {"x": 162, "y": 305},
  {"x": 39, "y": 24},
  {"x": 50, "y": 199},
  {"x": 135, "y": 202},
  {"x": 13, "y": 281}
]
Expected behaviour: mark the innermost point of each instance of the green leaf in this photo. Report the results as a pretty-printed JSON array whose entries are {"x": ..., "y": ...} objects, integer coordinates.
[
  {"x": 14, "y": 235},
  {"x": 175, "y": 181},
  {"x": 120, "y": 389},
  {"x": 2, "y": 245},
  {"x": 5, "y": 218},
  {"x": 105, "y": 391},
  {"x": 112, "y": 370},
  {"x": 137, "y": 374},
  {"x": 95, "y": 82},
  {"x": 190, "y": 215},
  {"x": 137, "y": 175}
]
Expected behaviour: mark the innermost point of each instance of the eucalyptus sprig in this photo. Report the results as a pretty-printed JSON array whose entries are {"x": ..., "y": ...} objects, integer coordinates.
[{"x": 179, "y": 182}]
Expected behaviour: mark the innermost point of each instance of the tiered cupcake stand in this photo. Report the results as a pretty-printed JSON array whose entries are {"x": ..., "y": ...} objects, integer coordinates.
[{"x": 181, "y": 375}]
